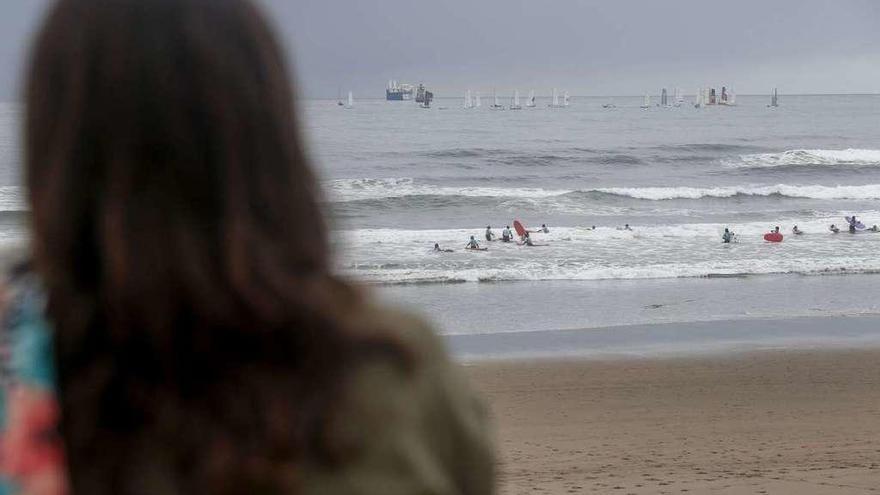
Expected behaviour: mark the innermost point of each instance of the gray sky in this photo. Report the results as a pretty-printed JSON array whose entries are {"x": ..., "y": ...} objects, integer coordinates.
[{"x": 609, "y": 47}]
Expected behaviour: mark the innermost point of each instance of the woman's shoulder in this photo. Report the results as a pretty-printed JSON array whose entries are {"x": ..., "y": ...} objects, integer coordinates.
[
  {"x": 412, "y": 332},
  {"x": 422, "y": 425}
]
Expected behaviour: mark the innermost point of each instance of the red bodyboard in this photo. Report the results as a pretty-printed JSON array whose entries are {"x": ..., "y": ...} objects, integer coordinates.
[
  {"x": 518, "y": 227},
  {"x": 773, "y": 237}
]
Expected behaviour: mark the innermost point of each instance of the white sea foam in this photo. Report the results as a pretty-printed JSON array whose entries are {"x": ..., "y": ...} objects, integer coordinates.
[
  {"x": 344, "y": 190},
  {"x": 12, "y": 198},
  {"x": 846, "y": 157},
  {"x": 649, "y": 252},
  {"x": 866, "y": 191}
]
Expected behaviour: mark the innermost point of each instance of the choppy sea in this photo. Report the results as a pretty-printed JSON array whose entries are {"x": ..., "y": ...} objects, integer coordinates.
[{"x": 400, "y": 178}]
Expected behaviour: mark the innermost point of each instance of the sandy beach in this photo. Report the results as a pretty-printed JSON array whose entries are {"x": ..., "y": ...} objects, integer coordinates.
[{"x": 799, "y": 422}]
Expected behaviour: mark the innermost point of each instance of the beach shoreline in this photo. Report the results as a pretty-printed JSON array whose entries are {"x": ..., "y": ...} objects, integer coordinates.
[
  {"x": 682, "y": 339},
  {"x": 570, "y": 305},
  {"x": 773, "y": 421}
]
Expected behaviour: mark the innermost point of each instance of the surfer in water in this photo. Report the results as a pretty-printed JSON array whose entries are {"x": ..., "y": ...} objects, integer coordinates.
[
  {"x": 727, "y": 237},
  {"x": 834, "y": 229},
  {"x": 544, "y": 228},
  {"x": 472, "y": 244},
  {"x": 506, "y": 234},
  {"x": 490, "y": 236},
  {"x": 853, "y": 222},
  {"x": 438, "y": 250},
  {"x": 527, "y": 241},
  {"x": 625, "y": 227},
  {"x": 796, "y": 230}
]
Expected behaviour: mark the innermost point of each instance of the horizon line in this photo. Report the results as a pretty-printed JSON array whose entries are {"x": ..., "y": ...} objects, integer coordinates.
[{"x": 382, "y": 98}]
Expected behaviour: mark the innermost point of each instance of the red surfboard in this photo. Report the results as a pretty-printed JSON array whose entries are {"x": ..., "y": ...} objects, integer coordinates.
[
  {"x": 518, "y": 227},
  {"x": 773, "y": 237}
]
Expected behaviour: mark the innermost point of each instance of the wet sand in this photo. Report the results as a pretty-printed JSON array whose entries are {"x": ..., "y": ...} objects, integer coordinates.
[{"x": 801, "y": 421}]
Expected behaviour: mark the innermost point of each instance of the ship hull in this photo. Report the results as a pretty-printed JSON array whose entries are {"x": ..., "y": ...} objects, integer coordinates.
[{"x": 397, "y": 96}]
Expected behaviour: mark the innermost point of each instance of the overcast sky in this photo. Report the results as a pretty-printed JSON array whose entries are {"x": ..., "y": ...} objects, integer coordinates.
[{"x": 609, "y": 47}]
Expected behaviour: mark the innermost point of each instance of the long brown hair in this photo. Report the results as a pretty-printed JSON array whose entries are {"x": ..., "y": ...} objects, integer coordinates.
[{"x": 199, "y": 333}]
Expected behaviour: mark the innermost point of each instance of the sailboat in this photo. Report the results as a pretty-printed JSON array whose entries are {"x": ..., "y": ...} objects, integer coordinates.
[
  {"x": 531, "y": 101},
  {"x": 698, "y": 99},
  {"x": 679, "y": 97},
  {"x": 468, "y": 102},
  {"x": 477, "y": 102},
  {"x": 664, "y": 98},
  {"x": 495, "y": 104},
  {"x": 774, "y": 99},
  {"x": 350, "y": 100},
  {"x": 565, "y": 99},
  {"x": 515, "y": 105},
  {"x": 555, "y": 103},
  {"x": 647, "y": 103}
]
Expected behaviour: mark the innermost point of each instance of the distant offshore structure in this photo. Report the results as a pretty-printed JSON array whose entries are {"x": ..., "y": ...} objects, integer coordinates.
[
  {"x": 424, "y": 97},
  {"x": 395, "y": 91}
]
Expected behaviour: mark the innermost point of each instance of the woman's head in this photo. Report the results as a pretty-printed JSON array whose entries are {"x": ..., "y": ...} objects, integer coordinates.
[
  {"x": 177, "y": 230},
  {"x": 163, "y": 161}
]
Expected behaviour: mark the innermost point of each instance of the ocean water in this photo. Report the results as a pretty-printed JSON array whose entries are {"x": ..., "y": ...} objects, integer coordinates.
[{"x": 400, "y": 178}]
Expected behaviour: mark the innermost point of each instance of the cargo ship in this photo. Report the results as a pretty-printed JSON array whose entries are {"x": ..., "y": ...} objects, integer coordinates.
[{"x": 398, "y": 92}]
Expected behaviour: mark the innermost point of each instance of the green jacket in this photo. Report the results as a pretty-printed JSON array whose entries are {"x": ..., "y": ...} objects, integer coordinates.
[
  {"x": 425, "y": 432},
  {"x": 418, "y": 431}
]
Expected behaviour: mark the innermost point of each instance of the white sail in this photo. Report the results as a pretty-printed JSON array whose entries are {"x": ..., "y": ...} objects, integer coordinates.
[
  {"x": 774, "y": 98},
  {"x": 531, "y": 102},
  {"x": 555, "y": 98},
  {"x": 698, "y": 98},
  {"x": 468, "y": 103},
  {"x": 647, "y": 102},
  {"x": 495, "y": 97},
  {"x": 478, "y": 103},
  {"x": 350, "y": 100},
  {"x": 515, "y": 101},
  {"x": 565, "y": 99}
]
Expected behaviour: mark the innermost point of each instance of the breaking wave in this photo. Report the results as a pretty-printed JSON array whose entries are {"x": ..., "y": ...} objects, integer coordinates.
[
  {"x": 347, "y": 190},
  {"x": 863, "y": 192},
  {"x": 12, "y": 199},
  {"x": 809, "y": 158}
]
